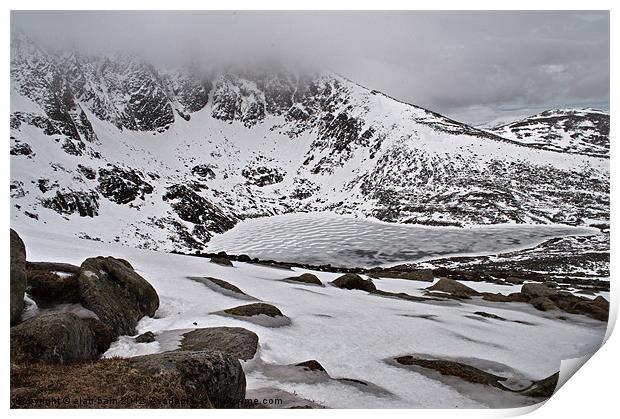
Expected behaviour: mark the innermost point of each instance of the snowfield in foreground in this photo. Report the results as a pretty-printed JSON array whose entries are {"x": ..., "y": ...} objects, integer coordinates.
[
  {"x": 351, "y": 333},
  {"x": 321, "y": 238}
]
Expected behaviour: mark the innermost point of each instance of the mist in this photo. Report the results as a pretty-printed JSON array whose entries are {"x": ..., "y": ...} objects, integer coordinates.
[{"x": 474, "y": 66}]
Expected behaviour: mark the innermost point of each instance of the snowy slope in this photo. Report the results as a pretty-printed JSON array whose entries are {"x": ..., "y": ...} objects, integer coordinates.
[
  {"x": 579, "y": 131},
  {"x": 350, "y": 332},
  {"x": 114, "y": 149}
]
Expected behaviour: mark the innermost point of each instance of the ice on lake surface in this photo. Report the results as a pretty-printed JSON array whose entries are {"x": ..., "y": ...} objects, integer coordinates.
[{"x": 319, "y": 238}]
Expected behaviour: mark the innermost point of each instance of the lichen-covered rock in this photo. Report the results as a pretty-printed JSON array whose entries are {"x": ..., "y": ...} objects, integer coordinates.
[
  {"x": 210, "y": 378},
  {"x": 419, "y": 275},
  {"x": 597, "y": 309},
  {"x": 536, "y": 290},
  {"x": 57, "y": 267},
  {"x": 259, "y": 313},
  {"x": 221, "y": 260},
  {"x": 254, "y": 309},
  {"x": 354, "y": 282},
  {"x": 236, "y": 341},
  {"x": 46, "y": 287},
  {"x": 311, "y": 365},
  {"x": 17, "y": 276},
  {"x": 222, "y": 286},
  {"x": 542, "y": 303},
  {"x": 305, "y": 279},
  {"x": 414, "y": 275},
  {"x": 454, "y": 288},
  {"x": 54, "y": 338},
  {"x": 146, "y": 337},
  {"x": 456, "y": 369},
  {"x": 116, "y": 293}
]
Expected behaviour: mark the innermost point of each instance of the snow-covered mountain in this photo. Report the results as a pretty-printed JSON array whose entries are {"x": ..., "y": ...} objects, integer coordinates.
[
  {"x": 115, "y": 149},
  {"x": 579, "y": 131}
]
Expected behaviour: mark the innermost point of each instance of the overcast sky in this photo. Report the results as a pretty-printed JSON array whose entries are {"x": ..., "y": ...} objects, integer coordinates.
[{"x": 472, "y": 66}]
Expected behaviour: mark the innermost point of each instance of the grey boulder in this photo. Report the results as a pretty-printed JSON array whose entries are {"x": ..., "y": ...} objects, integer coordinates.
[
  {"x": 236, "y": 341},
  {"x": 17, "y": 276},
  {"x": 210, "y": 378},
  {"x": 120, "y": 297}
]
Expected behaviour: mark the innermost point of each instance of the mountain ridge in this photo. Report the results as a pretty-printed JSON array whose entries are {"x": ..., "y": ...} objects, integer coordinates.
[{"x": 124, "y": 151}]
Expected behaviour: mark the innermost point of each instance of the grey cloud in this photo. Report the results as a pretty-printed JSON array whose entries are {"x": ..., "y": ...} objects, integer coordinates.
[{"x": 472, "y": 66}]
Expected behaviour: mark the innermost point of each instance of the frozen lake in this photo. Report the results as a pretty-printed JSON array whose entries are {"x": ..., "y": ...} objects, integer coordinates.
[{"x": 320, "y": 238}]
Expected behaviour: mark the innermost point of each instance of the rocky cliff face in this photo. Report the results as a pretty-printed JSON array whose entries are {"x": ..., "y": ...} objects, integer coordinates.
[{"x": 115, "y": 149}]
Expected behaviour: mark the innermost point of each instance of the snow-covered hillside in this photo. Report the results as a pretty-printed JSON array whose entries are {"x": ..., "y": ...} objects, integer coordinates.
[
  {"x": 353, "y": 334},
  {"x": 115, "y": 149},
  {"x": 579, "y": 131}
]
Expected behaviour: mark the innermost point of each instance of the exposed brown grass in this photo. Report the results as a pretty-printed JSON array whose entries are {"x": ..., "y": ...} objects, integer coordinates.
[{"x": 106, "y": 383}]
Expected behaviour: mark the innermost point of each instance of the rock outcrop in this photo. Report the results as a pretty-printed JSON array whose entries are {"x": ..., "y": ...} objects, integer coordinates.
[
  {"x": 354, "y": 282},
  {"x": 405, "y": 273},
  {"x": 17, "y": 276},
  {"x": 538, "y": 389},
  {"x": 146, "y": 337},
  {"x": 210, "y": 379},
  {"x": 305, "y": 279},
  {"x": 453, "y": 288},
  {"x": 235, "y": 341},
  {"x": 58, "y": 338},
  {"x": 221, "y": 260},
  {"x": 116, "y": 293},
  {"x": 48, "y": 287},
  {"x": 260, "y": 313}
]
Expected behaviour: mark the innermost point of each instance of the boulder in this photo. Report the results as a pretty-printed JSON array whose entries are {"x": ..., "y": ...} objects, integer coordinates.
[
  {"x": 542, "y": 303},
  {"x": 514, "y": 280},
  {"x": 17, "y": 276},
  {"x": 254, "y": 309},
  {"x": 501, "y": 298},
  {"x": 116, "y": 293},
  {"x": 225, "y": 285},
  {"x": 354, "y": 282},
  {"x": 543, "y": 388},
  {"x": 146, "y": 337},
  {"x": 454, "y": 288},
  {"x": 236, "y": 341},
  {"x": 259, "y": 313},
  {"x": 305, "y": 279},
  {"x": 311, "y": 365},
  {"x": 221, "y": 260},
  {"x": 57, "y": 338},
  {"x": 48, "y": 288},
  {"x": 103, "y": 334},
  {"x": 419, "y": 275},
  {"x": 209, "y": 378},
  {"x": 244, "y": 258},
  {"x": 456, "y": 369},
  {"x": 533, "y": 290},
  {"x": 53, "y": 267},
  {"x": 403, "y": 273},
  {"x": 597, "y": 309}
]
